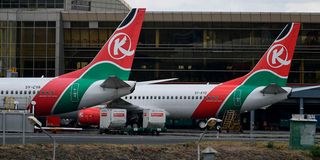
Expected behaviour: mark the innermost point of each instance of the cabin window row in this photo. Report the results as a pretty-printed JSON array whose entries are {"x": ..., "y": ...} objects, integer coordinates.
[
  {"x": 172, "y": 97},
  {"x": 163, "y": 97},
  {"x": 27, "y": 92}
]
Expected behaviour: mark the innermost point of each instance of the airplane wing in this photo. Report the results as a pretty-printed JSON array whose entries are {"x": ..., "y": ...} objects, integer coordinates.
[
  {"x": 273, "y": 89},
  {"x": 298, "y": 89},
  {"x": 156, "y": 81},
  {"x": 114, "y": 82},
  {"x": 122, "y": 104}
]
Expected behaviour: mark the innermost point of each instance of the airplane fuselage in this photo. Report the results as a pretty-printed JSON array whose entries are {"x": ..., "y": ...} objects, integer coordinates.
[
  {"x": 182, "y": 101},
  {"x": 57, "y": 95}
]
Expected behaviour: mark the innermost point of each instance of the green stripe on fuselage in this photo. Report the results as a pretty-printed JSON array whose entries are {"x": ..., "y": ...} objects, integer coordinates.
[
  {"x": 71, "y": 98},
  {"x": 238, "y": 96}
]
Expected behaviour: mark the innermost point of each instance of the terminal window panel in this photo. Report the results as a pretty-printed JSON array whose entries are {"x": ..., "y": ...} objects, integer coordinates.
[
  {"x": 238, "y": 48},
  {"x": 32, "y": 4},
  {"x": 182, "y": 37}
]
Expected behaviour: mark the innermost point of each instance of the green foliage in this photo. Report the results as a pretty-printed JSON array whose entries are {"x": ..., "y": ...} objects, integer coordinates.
[
  {"x": 315, "y": 151},
  {"x": 270, "y": 145}
]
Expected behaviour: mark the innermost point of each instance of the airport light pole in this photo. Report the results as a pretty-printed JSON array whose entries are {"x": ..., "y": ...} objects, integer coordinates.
[
  {"x": 210, "y": 123},
  {"x": 37, "y": 123}
]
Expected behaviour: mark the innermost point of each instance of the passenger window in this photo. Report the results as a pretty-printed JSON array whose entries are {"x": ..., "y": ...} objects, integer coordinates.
[
  {"x": 159, "y": 97},
  {"x": 196, "y": 97},
  {"x": 150, "y": 97},
  {"x": 25, "y": 92},
  {"x": 42, "y": 92},
  {"x": 176, "y": 97},
  {"x": 180, "y": 97},
  {"x": 125, "y": 97},
  {"x": 188, "y": 97},
  {"x": 139, "y": 97},
  {"x": 130, "y": 97},
  {"x": 29, "y": 92},
  {"x": 168, "y": 97},
  {"x": 163, "y": 97},
  {"x": 155, "y": 97},
  {"x": 16, "y": 92},
  {"x": 1, "y": 92},
  {"x": 33, "y": 92},
  {"x": 7, "y": 92},
  {"x": 38, "y": 92},
  {"x": 171, "y": 97},
  {"x": 11, "y": 92},
  {"x": 142, "y": 97},
  {"x": 185, "y": 97},
  {"x": 147, "y": 97},
  {"x": 20, "y": 92},
  {"x": 135, "y": 97},
  {"x": 192, "y": 97}
]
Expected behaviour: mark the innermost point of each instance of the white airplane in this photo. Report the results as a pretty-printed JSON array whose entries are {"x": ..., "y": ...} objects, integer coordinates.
[
  {"x": 263, "y": 86},
  {"x": 100, "y": 81}
]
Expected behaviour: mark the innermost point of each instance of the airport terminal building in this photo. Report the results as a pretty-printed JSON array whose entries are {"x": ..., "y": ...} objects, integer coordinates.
[{"x": 52, "y": 37}]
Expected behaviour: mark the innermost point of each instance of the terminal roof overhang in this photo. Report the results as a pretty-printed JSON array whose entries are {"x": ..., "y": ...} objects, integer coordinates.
[{"x": 198, "y": 16}]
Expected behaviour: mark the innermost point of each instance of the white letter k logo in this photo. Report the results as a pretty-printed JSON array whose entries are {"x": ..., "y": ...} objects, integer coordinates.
[
  {"x": 276, "y": 56},
  {"x": 118, "y": 46}
]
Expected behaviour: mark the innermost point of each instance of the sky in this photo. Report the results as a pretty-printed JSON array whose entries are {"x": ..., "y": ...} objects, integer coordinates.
[{"x": 228, "y": 5}]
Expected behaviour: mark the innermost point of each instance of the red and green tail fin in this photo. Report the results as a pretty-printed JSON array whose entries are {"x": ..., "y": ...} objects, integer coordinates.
[
  {"x": 116, "y": 56},
  {"x": 274, "y": 66}
]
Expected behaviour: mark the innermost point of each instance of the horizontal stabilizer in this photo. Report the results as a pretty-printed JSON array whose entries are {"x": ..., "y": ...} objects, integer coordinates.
[
  {"x": 114, "y": 83},
  {"x": 273, "y": 89},
  {"x": 156, "y": 81}
]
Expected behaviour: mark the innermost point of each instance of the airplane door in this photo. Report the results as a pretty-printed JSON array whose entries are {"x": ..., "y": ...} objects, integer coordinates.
[
  {"x": 75, "y": 92},
  {"x": 237, "y": 98}
]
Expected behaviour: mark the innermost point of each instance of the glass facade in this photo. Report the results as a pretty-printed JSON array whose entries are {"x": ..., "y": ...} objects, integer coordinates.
[
  {"x": 32, "y": 4},
  {"x": 29, "y": 47},
  {"x": 197, "y": 51}
]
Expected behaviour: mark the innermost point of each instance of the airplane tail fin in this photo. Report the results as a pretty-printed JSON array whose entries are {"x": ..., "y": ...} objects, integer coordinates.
[
  {"x": 274, "y": 66},
  {"x": 116, "y": 56}
]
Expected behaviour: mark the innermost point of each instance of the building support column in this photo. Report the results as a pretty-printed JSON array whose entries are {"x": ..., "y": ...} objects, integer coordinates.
[
  {"x": 301, "y": 106},
  {"x": 302, "y": 71},
  {"x": 157, "y": 38},
  {"x": 59, "y": 53},
  {"x": 251, "y": 123},
  {"x": 204, "y": 39}
]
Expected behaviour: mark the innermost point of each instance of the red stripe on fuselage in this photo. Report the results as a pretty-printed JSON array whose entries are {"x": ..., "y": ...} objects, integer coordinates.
[
  {"x": 217, "y": 96},
  {"x": 52, "y": 91}
]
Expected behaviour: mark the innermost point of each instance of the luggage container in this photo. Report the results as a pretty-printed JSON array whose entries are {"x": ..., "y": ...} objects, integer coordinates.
[
  {"x": 153, "y": 122},
  {"x": 112, "y": 119},
  {"x": 154, "y": 118}
]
